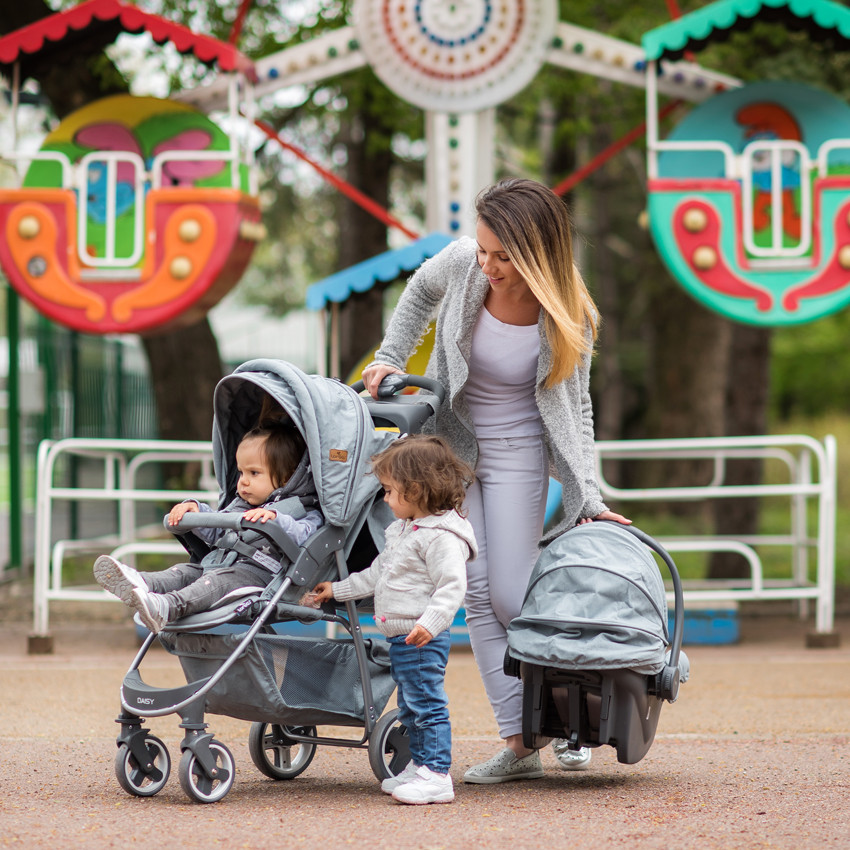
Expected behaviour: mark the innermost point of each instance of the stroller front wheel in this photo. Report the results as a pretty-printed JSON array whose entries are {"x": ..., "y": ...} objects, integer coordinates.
[
  {"x": 276, "y": 754},
  {"x": 200, "y": 785},
  {"x": 389, "y": 746},
  {"x": 143, "y": 780}
]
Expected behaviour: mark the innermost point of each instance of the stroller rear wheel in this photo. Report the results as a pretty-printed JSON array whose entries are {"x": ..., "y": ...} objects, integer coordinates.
[
  {"x": 389, "y": 746},
  {"x": 201, "y": 786},
  {"x": 147, "y": 780},
  {"x": 276, "y": 754}
]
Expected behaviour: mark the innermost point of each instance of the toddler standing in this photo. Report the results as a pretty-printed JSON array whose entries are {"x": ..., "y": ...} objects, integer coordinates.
[{"x": 418, "y": 582}]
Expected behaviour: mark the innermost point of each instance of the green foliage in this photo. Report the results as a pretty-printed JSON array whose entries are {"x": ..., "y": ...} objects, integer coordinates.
[
  {"x": 774, "y": 512},
  {"x": 810, "y": 368}
]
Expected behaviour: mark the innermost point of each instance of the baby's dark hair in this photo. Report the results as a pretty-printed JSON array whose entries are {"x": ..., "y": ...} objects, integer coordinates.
[
  {"x": 283, "y": 448},
  {"x": 428, "y": 473}
]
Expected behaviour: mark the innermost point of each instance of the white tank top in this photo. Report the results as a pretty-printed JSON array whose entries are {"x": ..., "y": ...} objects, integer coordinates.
[{"x": 502, "y": 375}]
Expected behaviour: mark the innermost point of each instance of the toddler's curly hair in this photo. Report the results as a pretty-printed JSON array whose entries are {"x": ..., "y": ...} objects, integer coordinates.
[{"x": 427, "y": 472}]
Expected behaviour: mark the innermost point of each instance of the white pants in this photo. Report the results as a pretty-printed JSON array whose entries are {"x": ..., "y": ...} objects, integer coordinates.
[{"x": 506, "y": 505}]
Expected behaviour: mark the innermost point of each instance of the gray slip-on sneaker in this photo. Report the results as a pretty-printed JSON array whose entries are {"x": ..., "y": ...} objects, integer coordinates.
[
  {"x": 570, "y": 759},
  {"x": 505, "y": 767}
]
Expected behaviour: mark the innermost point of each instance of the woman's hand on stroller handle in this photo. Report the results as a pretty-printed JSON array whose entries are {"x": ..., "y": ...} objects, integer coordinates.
[
  {"x": 607, "y": 515},
  {"x": 384, "y": 381},
  {"x": 373, "y": 377}
]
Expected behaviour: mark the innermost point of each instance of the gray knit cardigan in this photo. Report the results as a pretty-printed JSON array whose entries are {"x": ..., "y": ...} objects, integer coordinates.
[{"x": 452, "y": 288}]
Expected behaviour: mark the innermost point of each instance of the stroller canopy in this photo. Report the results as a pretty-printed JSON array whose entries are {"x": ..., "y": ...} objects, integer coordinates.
[
  {"x": 333, "y": 419},
  {"x": 595, "y": 601}
]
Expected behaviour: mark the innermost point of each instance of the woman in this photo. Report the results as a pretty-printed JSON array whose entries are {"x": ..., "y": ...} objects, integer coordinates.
[{"x": 514, "y": 337}]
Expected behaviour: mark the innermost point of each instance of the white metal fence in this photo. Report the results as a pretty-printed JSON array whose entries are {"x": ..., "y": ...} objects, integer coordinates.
[
  {"x": 116, "y": 477},
  {"x": 809, "y": 487},
  {"x": 115, "y": 482}
]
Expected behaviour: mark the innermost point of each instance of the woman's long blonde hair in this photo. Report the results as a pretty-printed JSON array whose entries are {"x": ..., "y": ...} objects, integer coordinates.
[{"x": 533, "y": 225}]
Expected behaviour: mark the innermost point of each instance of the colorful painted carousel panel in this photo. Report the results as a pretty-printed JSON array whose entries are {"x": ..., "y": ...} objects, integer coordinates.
[
  {"x": 132, "y": 216},
  {"x": 750, "y": 207}
]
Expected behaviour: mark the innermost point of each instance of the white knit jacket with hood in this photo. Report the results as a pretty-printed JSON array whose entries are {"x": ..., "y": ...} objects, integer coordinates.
[{"x": 420, "y": 577}]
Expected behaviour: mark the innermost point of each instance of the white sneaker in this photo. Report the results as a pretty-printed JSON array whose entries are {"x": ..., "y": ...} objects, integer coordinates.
[
  {"x": 151, "y": 608},
  {"x": 392, "y": 782},
  {"x": 426, "y": 786},
  {"x": 119, "y": 579},
  {"x": 570, "y": 759}
]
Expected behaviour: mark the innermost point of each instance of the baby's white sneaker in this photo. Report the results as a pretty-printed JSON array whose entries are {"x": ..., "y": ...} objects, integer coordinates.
[
  {"x": 119, "y": 579},
  {"x": 391, "y": 783},
  {"x": 152, "y": 609},
  {"x": 424, "y": 787}
]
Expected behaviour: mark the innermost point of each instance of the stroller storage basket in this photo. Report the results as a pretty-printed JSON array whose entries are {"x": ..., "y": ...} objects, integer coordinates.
[{"x": 286, "y": 680}]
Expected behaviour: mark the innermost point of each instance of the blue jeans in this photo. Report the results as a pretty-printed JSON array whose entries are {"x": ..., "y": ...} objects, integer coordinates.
[{"x": 423, "y": 706}]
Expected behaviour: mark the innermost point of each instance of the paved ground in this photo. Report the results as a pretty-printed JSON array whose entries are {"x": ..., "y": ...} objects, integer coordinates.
[{"x": 755, "y": 754}]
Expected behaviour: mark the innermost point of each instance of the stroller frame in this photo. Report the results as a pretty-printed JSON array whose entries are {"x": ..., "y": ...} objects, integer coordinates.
[{"x": 206, "y": 771}]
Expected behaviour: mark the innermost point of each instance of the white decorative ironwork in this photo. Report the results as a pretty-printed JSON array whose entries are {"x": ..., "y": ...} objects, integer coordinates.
[{"x": 455, "y": 55}]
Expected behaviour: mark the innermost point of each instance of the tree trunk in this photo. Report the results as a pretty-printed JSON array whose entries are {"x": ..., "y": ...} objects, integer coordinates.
[
  {"x": 186, "y": 380},
  {"x": 746, "y": 415},
  {"x": 606, "y": 193},
  {"x": 687, "y": 385},
  {"x": 185, "y": 363},
  {"x": 362, "y": 236}
]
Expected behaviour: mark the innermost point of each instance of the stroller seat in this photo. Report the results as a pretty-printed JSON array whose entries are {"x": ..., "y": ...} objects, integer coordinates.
[
  {"x": 227, "y": 610},
  {"x": 307, "y": 565},
  {"x": 591, "y": 642}
]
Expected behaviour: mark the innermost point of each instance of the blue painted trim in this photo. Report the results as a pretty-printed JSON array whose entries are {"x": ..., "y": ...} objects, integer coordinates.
[{"x": 386, "y": 268}]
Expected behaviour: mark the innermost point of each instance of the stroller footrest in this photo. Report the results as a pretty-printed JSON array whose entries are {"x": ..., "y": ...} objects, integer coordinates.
[{"x": 138, "y": 695}]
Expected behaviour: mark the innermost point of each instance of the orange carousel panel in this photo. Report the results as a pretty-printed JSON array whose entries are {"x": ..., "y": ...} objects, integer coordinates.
[
  {"x": 200, "y": 243},
  {"x": 35, "y": 253}
]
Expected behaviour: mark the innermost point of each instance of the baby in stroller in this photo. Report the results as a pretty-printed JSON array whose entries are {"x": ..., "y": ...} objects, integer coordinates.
[{"x": 274, "y": 485}]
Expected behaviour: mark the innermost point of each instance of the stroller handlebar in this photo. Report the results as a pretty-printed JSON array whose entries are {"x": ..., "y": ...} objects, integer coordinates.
[
  {"x": 232, "y": 522},
  {"x": 407, "y": 413},
  {"x": 396, "y": 382}
]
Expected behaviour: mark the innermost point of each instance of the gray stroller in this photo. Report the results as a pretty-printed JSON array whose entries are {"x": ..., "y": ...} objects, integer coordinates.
[
  {"x": 591, "y": 644},
  {"x": 234, "y": 661}
]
